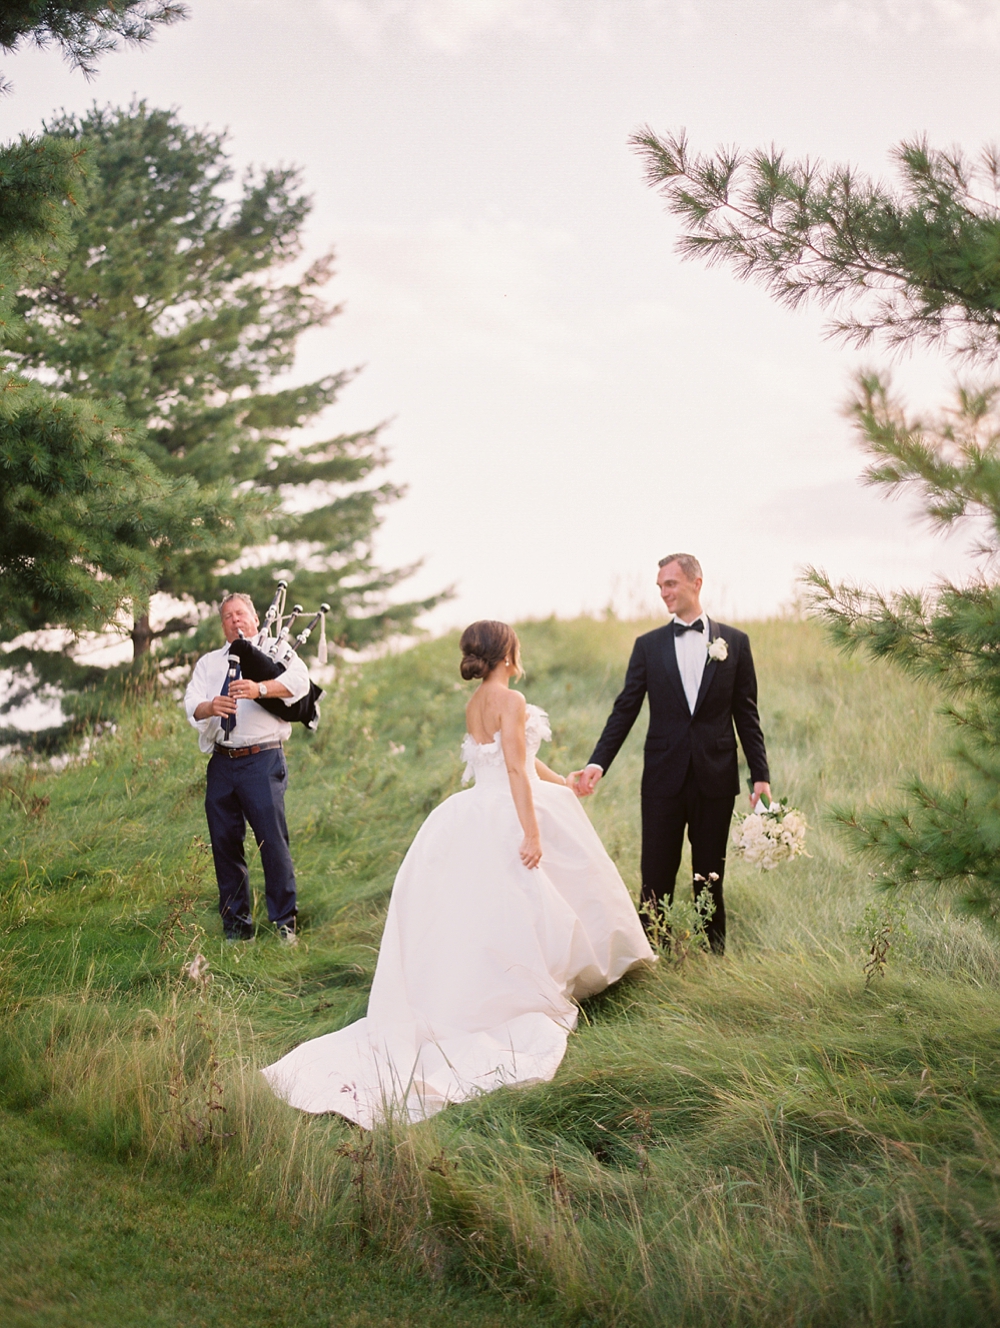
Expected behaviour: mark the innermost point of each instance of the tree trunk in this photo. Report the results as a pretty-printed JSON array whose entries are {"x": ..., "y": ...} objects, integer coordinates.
[{"x": 142, "y": 636}]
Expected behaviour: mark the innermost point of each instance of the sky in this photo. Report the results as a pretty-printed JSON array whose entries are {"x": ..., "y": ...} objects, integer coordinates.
[{"x": 567, "y": 400}]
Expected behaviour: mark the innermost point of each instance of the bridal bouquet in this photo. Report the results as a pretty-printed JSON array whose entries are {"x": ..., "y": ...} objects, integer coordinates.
[{"x": 769, "y": 835}]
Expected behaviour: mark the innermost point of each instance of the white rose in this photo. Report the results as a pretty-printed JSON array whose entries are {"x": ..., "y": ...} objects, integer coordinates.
[{"x": 718, "y": 649}]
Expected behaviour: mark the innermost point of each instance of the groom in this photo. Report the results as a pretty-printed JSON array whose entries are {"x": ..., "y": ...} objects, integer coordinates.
[{"x": 700, "y": 680}]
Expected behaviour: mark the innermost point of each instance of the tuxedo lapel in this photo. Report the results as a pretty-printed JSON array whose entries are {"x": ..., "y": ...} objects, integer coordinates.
[
  {"x": 670, "y": 664},
  {"x": 710, "y": 668}
]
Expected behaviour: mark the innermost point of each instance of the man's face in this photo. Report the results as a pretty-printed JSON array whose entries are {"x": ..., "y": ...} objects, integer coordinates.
[
  {"x": 678, "y": 592},
  {"x": 238, "y": 617}
]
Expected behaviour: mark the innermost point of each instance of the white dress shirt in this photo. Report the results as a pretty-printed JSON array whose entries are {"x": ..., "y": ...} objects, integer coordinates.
[
  {"x": 691, "y": 649},
  {"x": 253, "y": 723}
]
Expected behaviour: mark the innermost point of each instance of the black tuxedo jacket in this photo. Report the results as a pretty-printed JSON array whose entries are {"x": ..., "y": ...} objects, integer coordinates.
[{"x": 677, "y": 738}]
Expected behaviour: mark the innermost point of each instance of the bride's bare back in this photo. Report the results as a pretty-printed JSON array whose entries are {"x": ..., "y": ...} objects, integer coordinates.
[{"x": 492, "y": 709}]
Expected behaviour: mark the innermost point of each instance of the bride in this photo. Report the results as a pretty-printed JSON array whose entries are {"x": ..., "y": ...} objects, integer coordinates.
[{"x": 505, "y": 912}]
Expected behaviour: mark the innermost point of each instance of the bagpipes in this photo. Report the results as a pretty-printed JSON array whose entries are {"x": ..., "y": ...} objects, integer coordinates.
[{"x": 267, "y": 656}]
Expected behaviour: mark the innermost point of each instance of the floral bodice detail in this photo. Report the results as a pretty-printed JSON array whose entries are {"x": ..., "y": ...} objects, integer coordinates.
[{"x": 481, "y": 756}]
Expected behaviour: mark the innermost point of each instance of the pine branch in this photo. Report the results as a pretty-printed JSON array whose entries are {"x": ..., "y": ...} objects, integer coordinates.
[
  {"x": 85, "y": 29},
  {"x": 927, "y": 259}
]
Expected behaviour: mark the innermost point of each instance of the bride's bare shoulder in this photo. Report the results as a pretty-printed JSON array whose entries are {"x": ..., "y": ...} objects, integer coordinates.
[
  {"x": 513, "y": 703},
  {"x": 512, "y": 711}
]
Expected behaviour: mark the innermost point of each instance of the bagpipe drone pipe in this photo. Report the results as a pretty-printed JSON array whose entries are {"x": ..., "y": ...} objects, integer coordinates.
[{"x": 266, "y": 658}]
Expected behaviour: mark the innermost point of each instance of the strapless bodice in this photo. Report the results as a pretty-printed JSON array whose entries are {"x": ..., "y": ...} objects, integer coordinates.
[{"x": 484, "y": 761}]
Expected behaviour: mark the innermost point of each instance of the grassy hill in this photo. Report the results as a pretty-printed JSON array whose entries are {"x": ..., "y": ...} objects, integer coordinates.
[{"x": 755, "y": 1141}]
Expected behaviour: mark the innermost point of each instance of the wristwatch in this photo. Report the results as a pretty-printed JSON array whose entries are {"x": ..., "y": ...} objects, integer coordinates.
[{"x": 262, "y": 689}]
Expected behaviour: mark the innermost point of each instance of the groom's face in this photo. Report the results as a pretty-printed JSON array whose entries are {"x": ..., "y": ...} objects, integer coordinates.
[{"x": 679, "y": 593}]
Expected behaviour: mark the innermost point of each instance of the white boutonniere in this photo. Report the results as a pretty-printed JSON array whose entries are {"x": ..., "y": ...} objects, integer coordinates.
[{"x": 718, "y": 649}]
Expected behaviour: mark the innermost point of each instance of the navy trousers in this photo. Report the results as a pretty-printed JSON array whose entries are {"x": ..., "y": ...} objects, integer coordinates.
[
  {"x": 708, "y": 822},
  {"x": 237, "y": 790}
]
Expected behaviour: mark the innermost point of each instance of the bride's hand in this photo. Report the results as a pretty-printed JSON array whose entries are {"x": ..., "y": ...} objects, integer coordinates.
[{"x": 531, "y": 850}]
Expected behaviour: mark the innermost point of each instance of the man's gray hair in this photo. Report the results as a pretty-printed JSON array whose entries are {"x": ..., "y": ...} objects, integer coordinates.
[
  {"x": 244, "y": 599},
  {"x": 689, "y": 564}
]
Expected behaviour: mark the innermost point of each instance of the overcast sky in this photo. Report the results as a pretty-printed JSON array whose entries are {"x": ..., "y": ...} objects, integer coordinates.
[{"x": 568, "y": 399}]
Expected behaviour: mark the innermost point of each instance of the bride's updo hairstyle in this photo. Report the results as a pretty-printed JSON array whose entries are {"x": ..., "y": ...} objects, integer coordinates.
[{"x": 486, "y": 644}]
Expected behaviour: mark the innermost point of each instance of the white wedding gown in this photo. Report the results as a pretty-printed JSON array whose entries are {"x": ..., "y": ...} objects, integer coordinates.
[{"x": 481, "y": 958}]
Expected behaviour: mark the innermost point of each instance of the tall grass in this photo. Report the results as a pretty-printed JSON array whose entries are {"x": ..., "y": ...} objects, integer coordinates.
[{"x": 761, "y": 1140}]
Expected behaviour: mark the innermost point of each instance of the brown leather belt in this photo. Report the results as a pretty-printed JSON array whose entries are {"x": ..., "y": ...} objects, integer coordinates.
[{"x": 233, "y": 752}]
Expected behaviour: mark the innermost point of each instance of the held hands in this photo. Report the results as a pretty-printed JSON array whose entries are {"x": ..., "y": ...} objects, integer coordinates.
[
  {"x": 583, "y": 782},
  {"x": 531, "y": 850}
]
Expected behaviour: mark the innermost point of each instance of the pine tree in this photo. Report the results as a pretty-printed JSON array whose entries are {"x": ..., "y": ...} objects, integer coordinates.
[
  {"x": 949, "y": 634},
  {"x": 168, "y": 304},
  {"x": 918, "y": 264},
  {"x": 84, "y": 29},
  {"x": 80, "y": 506}
]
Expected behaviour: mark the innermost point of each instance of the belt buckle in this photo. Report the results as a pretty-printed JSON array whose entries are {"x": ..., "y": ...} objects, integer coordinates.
[{"x": 234, "y": 753}]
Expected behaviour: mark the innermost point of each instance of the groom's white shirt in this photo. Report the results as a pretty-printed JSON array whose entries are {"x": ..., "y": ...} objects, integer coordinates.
[{"x": 691, "y": 649}]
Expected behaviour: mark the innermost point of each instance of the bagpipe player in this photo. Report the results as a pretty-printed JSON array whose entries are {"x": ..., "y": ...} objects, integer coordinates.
[{"x": 247, "y": 774}]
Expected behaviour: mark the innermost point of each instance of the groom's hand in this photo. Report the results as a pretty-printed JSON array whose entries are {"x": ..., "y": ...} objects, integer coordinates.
[
  {"x": 583, "y": 782},
  {"x": 761, "y": 788}
]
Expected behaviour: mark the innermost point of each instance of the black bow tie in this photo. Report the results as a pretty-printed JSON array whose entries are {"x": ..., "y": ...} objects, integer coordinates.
[{"x": 680, "y": 628}]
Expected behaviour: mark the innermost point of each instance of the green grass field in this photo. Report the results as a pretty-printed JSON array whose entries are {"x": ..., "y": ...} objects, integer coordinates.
[{"x": 755, "y": 1141}]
